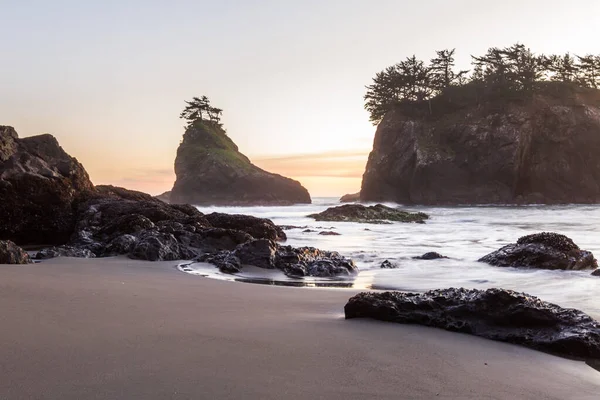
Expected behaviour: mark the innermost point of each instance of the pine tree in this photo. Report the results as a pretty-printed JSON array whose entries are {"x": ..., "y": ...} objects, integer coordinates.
[
  {"x": 199, "y": 109},
  {"x": 589, "y": 70}
]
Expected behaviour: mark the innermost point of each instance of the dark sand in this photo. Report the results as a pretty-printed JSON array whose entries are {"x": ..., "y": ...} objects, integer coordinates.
[{"x": 122, "y": 329}]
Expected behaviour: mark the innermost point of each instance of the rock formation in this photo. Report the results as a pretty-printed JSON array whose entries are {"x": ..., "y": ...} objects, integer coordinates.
[
  {"x": 211, "y": 171},
  {"x": 539, "y": 149},
  {"x": 495, "y": 314},
  {"x": 39, "y": 183},
  {"x": 10, "y": 253},
  {"x": 544, "y": 251},
  {"x": 350, "y": 198},
  {"x": 376, "y": 214}
]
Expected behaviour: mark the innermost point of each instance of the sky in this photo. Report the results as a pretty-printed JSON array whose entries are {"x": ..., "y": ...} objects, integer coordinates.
[{"x": 109, "y": 78}]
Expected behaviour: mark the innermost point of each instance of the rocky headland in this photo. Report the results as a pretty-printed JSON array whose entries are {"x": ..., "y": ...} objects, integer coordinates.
[{"x": 210, "y": 170}]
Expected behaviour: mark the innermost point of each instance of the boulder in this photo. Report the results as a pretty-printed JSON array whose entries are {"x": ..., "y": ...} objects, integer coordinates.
[
  {"x": 544, "y": 251},
  {"x": 259, "y": 253},
  {"x": 329, "y": 233},
  {"x": 258, "y": 228},
  {"x": 10, "y": 253},
  {"x": 496, "y": 314},
  {"x": 530, "y": 149},
  {"x": 388, "y": 265},
  {"x": 376, "y": 214},
  {"x": 39, "y": 183},
  {"x": 210, "y": 170},
  {"x": 432, "y": 255}
]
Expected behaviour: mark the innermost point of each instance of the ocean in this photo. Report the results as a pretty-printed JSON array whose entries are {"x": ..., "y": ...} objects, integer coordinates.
[{"x": 464, "y": 234}]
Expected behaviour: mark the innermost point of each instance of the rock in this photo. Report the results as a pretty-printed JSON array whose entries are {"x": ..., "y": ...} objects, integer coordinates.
[
  {"x": 122, "y": 244},
  {"x": 596, "y": 272},
  {"x": 260, "y": 253},
  {"x": 166, "y": 197},
  {"x": 308, "y": 261},
  {"x": 329, "y": 233},
  {"x": 259, "y": 228},
  {"x": 308, "y": 231},
  {"x": 10, "y": 253},
  {"x": 211, "y": 171},
  {"x": 496, "y": 314},
  {"x": 544, "y": 251},
  {"x": 432, "y": 255},
  {"x": 350, "y": 198},
  {"x": 63, "y": 251},
  {"x": 39, "y": 183},
  {"x": 539, "y": 149},
  {"x": 372, "y": 214},
  {"x": 295, "y": 262},
  {"x": 388, "y": 265},
  {"x": 158, "y": 246}
]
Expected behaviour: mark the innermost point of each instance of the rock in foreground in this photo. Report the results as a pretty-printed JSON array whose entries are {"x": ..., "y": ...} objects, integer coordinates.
[
  {"x": 10, "y": 253},
  {"x": 543, "y": 251},
  {"x": 211, "y": 171},
  {"x": 377, "y": 214},
  {"x": 294, "y": 262},
  {"x": 496, "y": 314}
]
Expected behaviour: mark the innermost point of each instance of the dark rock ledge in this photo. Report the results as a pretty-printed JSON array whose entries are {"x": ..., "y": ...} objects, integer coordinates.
[
  {"x": 544, "y": 250},
  {"x": 496, "y": 314},
  {"x": 377, "y": 214}
]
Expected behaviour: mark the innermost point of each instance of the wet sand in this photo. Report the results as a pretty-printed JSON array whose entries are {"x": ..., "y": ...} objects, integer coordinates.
[{"x": 123, "y": 329}]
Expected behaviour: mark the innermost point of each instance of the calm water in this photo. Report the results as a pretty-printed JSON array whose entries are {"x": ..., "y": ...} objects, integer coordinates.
[{"x": 462, "y": 233}]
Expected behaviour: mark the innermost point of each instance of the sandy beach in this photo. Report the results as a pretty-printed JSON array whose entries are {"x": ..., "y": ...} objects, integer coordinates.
[{"x": 123, "y": 329}]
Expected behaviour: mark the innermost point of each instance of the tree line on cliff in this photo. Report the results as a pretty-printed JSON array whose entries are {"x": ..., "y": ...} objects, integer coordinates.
[{"x": 501, "y": 73}]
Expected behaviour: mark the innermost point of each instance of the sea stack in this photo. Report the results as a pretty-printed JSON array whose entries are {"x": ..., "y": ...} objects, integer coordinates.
[
  {"x": 539, "y": 149},
  {"x": 210, "y": 170}
]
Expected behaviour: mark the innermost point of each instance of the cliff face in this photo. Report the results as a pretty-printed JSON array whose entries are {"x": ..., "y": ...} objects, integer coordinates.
[
  {"x": 543, "y": 150},
  {"x": 39, "y": 182},
  {"x": 211, "y": 171}
]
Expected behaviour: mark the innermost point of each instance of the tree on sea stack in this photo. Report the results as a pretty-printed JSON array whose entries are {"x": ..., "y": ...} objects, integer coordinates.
[{"x": 199, "y": 109}]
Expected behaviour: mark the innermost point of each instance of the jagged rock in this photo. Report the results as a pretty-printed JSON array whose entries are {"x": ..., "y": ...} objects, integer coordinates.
[
  {"x": 63, "y": 251},
  {"x": 309, "y": 261},
  {"x": 432, "y": 255},
  {"x": 537, "y": 149},
  {"x": 388, "y": 265},
  {"x": 211, "y": 171},
  {"x": 495, "y": 314},
  {"x": 296, "y": 262},
  {"x": 350, "y": 198},
  {"x": 10, "y": 253},
  {"x": 329, "y": 233},
  {"x": 259, "y": 228},
  {"x": 39, "y": 183},
  {"x": 122, "y": 244},
  {"x": 372, "y": 214},
  {"x": 544, "y": 251},
  {"x": 260, "y": 253},
  {"x": 158, "y": 246}
]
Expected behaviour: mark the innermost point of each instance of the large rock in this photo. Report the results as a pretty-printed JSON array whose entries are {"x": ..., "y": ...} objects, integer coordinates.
[
  {"x": 495, "y": 314},
  {"x": 259, "y": 228},
  {"x": 39, "y": 183},
  {"x": 10, "y": 253},
  {"x": 294, "y": 262},
  {"x": 542, "y": 149},
  {"x": 376, "y": 214},
  {"x": 544, "y": 251},
  {"x": 211, "y": 171}
]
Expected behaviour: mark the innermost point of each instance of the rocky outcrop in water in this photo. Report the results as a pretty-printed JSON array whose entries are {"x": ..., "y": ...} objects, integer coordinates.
[
  {"x": 376, "y": 214},
  {"x": 211, "y": 171},
  {"x": 257, "y": 227},
  {"x": 10, "y": 253},
  {"x": 39, "y": 185},
  {"x": 432, "y": 255},
  {"x": 294, "y": 262},
  {"x": 544, "y": 251},
  {"x": 539, "y": 149},
  {"x": 495, "y": 314},
  {"x": 350, "y": 198}
]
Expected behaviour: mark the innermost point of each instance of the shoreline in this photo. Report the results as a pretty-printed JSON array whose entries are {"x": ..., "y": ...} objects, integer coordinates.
[{"x": 121, "y": 328}]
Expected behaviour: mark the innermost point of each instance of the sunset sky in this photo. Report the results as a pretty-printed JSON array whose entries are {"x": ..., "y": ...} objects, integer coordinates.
[{"x": 109, "y": 78}]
